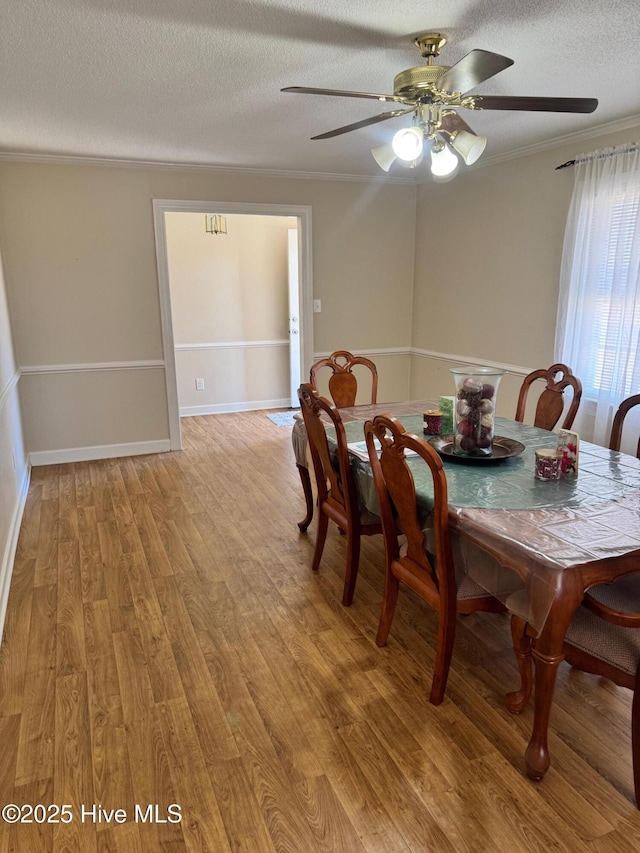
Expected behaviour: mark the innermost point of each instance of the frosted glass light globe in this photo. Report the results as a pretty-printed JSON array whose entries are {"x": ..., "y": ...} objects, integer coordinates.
[{"x": 407, "y": 143}]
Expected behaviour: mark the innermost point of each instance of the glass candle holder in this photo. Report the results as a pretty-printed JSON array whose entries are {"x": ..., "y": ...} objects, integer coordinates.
[
  {"x": 548, "y": 464},
  {"x": 475, "y": 406}
]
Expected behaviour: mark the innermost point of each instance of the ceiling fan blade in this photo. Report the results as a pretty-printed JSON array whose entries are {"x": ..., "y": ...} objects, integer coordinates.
[
  {"x": 364, "y": 123},
  {"x": 453, "y": 122},
  {"x": 550, "y": 105},
  {"x": 343, "y": 93},
  {"x": 473, "y": 69}
]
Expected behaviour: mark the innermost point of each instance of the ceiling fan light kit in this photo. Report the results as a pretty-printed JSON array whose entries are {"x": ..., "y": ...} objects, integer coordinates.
[
  {"x": 407, "y": 143},
  {"x": 433, "y": 94},
  {"x": 384, "y": 155},
  {"x": 468, "y": 145},
  {"x": 443, "y": 160}
]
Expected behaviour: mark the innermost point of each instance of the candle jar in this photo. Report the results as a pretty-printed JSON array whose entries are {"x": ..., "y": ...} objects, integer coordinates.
[
  {"x": 432, "y": 420},
  {"x": 474, "y": 412},
  {"x": 548, "y": 464}
]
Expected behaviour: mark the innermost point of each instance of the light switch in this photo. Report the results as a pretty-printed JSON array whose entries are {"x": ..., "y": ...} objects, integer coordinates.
[{"x": 317, "y": 306}]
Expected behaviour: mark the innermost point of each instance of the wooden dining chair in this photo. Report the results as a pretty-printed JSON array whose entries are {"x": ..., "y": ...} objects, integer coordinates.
[
  {"x": 427, "y": 567},
  {"x": 618, "y": 423},
  {"x": 603, "y": 638},
  {"x": 337, "y": 497},
  {"x": 550, "y": 404},
  {"x": 343, "y": 385}
]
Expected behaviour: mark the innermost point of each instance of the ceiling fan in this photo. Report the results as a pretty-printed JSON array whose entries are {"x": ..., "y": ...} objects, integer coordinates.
[{"x": 433, "y": 93}]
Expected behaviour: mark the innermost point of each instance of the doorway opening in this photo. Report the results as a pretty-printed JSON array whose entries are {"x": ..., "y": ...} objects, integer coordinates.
[{"x": 300, "y": 321}]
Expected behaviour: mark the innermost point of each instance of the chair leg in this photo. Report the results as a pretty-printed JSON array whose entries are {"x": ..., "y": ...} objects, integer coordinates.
[
  {"x": 522, "y": 644},
  {"x": 389, "y": 601},
  {"x": 444, "y": 653},
  {"x": 308, "y": 496},
  {"x": 353, "y": 561},
  {"x": 321, "y": 535}
]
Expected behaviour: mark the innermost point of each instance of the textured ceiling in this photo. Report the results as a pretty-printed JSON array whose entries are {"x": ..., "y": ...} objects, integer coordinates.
[{"x": 198, "y": 81}]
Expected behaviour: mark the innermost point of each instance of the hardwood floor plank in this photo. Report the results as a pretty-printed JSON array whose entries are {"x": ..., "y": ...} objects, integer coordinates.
[
  {"x": 119, "y": 594},
  {"x": 413, "y": 819},
  {"x": 13, "y": 652},
  {"x": 67, "y": 507},
  {"x": 91, "y": 565},
  {"x": 215, "y": 736},
  {"x": 29, "y": 536},
  {"x": 110, "y": 760},
  {"x": 149, "y": 536},
  {"x": 135, "y": 688},
  {"x": 37, "y": 722},
  {"x": 73, "y": 783},
  {"x": 161, "y": 665},
  {"x": 244, "y": 824},
  {"x": 202, "y": 824},
  {"x": 366, "y": 810},
  {"x": 151, "y": 779},
  {"x": 70, "y": 643},
  {"x": 9, "y": 729},
  {"x": 47, "y": 556},
  {"x": 29, "y": 837}
]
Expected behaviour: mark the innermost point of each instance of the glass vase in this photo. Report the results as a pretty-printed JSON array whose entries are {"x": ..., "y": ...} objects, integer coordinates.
[{"x": 474, "y": 410}]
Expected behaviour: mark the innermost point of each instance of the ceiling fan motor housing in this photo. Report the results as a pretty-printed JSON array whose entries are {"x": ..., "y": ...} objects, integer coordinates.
[{"x": 414, "y": 81}]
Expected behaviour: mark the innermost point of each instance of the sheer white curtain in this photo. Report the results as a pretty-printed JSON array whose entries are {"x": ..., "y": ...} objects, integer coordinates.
[{"x": 598, "y": 328}]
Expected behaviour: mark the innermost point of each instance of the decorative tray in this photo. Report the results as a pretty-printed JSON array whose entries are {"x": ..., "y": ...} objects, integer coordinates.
[{"x": 503, "y": 448}]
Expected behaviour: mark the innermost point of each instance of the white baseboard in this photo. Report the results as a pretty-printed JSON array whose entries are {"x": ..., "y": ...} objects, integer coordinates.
[
  {"x": 6, "y": 567},
  {"x": 105, "y": 451},
  {"x": 226, "y": 408}
]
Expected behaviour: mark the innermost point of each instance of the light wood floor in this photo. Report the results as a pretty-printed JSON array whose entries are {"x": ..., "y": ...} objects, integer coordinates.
[{"x": 166, "y": 642}]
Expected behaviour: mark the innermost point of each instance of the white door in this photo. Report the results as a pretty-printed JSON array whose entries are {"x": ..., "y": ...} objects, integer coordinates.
[{"x": 294, "y": 317}]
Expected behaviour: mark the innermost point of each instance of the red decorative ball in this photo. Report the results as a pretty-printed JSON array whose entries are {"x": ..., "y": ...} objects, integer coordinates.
[
  {"x": 487, "y": 391},
  {"x": 466, "y": 428}
]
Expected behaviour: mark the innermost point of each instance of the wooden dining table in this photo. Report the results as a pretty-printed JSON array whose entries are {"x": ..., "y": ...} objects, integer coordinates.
[{"x": 543, "y": 543}]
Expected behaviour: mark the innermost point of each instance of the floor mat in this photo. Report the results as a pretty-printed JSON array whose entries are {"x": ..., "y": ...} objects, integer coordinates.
[{"x": 283, "y": 418}]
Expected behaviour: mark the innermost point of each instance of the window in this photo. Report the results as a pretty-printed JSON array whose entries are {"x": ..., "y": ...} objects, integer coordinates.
[
  {"x": 611, "y": 308},
  {"x": 598, "y": 330}
]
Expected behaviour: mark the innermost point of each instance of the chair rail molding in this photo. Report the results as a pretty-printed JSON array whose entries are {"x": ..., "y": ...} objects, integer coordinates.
[
  {"x": 8, "y": 388},
  {"x": 92, "y": 366},
  {"x": 516, "y": 369},
  {"x": 230, "y": 345}
]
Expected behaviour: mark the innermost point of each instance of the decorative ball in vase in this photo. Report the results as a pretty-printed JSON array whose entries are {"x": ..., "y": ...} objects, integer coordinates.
[{"x": 474, "y": 412}]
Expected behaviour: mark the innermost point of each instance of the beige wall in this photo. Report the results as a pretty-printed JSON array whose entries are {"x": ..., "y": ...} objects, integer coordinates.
[
  {"x": 14, "y": 473},
  {"x": 81, "y": 277},
  {"x": 81, "y": 280},
  {"x": 227, "y": 292},
  {"x": 488, "y": 253}
]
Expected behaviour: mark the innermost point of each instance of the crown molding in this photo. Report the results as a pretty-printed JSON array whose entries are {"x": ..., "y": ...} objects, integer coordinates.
[
  {"x": 114, "y": 162},
  {"x": 72, "y": 160},
  {"x": 568, "y": 138},
  {"x": 556, "y": 142}
]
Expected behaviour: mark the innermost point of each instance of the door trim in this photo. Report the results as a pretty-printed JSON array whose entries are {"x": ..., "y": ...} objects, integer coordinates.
[{"x": 162, "y": 206}]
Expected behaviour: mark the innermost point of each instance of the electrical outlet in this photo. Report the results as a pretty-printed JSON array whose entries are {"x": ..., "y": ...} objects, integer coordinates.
[
  {"x": 199, "y": 384},
  {"x": 317, "y": 306}
]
